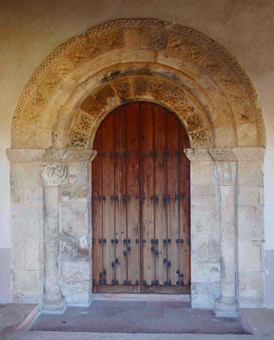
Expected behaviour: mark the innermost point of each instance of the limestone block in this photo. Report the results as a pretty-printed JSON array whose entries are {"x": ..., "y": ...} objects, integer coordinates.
[
  {"x": 205, "y": 272},
  {"x": 261, "y": 196},
  {"x": 203, "y": 295},
  {"x": 26, "y": 222},
  {"x": 250, "y": 173},
  {"x": 74, "y": 193},
  {"x": 69, "y": 93},
  {"x": 78, "y": 173},
  {"x": 132, "y": 38},
  {"x": 205, "y": 194},
  {"x": 74, "y": 247},
  {"x": 25, "y": 286},
  {"x": 214, "y": 290},
  {"x": 145, "y": 56},
  {"x": 75, "y": 271},
  {"x": 249, "y": 195},
  {"x": 225, "y": 173},
  {"x": 25, "y": 155},
  {"x": 163, "y": 58},
  {"x": 205, "y": 218},
  {"x": 250, "y": 223},
  {"x": 214, "y": 248},
  {"x": 202, "y": 173},
  {"x": 31, "y": 196},
  {"x": 228, "y": 200},
  {"x": 75, "y": 219},
  {"x": 18, "y": 255},
  {"x": 25, "y": 175},
  {"x": 15, "y": 195},
  {"x": 249, "y": 154},
  {"x": 76, "y": 293},
  {"x": 249, "y": 256},
  {"x": 127, "y": 55},
  {"x": 251, "y": 289},
  {"x": 199, "y": 248},
  {"x": 31, "y": 253}
]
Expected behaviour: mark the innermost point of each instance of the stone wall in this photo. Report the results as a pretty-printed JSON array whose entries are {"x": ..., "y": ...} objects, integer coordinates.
[
  {"x": 205, "y": 231},
  {"x": 29, "y": 213},
  {"x": 27, "y": 234},
  {"x": 61, "y": 108},
  {"x": 51, "y": 227},
  {"x": 251, "y": 235},
  {"x": 75, "y": 245}
]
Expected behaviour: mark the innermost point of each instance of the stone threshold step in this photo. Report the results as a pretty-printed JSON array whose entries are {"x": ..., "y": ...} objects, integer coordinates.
[
  {"x": 34, "y": 335},
  {"x": 140, "y": 297}
]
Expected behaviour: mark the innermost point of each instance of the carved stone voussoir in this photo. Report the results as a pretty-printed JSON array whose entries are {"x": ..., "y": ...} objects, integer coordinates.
[
  {"x": 197, "y": 155},
  {"x": 178, "y": 43},
  {"x": 53, "y": 174}
]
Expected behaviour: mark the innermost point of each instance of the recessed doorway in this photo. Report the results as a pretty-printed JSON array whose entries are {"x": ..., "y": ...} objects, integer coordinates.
[{"x": 141, "y": 202}]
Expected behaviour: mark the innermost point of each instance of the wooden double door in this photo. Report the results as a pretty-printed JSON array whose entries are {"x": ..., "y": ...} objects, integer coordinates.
[{"x": 140, "y": 202}]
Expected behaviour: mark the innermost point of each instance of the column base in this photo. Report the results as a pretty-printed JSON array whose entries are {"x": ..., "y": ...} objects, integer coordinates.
[
  {"x": 54, "y": 306},
  {"x": 226, "y": 309}
]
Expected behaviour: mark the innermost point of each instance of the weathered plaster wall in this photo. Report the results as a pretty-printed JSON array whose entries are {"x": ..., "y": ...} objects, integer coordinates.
[{"x": 30, "y": 30}]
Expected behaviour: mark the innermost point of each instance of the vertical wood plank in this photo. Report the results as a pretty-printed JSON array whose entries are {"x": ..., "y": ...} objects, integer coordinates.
[
  {"x": 133, "y": 190},
  {"x": 172, "y": 192},
  {"x": 147, "y": 148},
  {"x": 107, "y": 192},
  {"x": 120, "y": 179},
  {"x": 160, "y": 192},
  {"x": 97, "y": 220},
  {"x": 132, "y": 141},
  {"x": 184, "y": 206}
]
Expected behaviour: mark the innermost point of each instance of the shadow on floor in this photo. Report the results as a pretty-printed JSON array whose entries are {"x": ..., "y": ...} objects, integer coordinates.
[{"x": 138, "y": 317}]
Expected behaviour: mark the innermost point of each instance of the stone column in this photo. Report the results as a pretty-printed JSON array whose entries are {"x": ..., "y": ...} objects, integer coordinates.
[
  {"x": 52, "y": 175},
  {"x": 226, "y": 175}
]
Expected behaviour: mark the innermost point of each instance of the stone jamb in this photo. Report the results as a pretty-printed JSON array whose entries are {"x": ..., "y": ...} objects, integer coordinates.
[
  {"x": 222, "y": 168},
  {"x": 229, "y": 166},
  {"x": 50, "y": 171}
]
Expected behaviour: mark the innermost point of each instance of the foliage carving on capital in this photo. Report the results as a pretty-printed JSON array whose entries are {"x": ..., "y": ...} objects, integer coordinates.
[
  {"x": 197, "y": 154},
  {"x": 53, "y": 174}
]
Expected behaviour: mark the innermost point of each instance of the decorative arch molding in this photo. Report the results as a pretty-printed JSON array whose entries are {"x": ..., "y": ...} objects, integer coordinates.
[
  {"x": 191, "y": 66},
  {"x": 53, "y": 128}
]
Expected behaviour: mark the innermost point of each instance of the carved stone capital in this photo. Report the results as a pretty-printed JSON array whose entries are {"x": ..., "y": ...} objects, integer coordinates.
[
  {"x": 53, "y": 174},
  {"x": 197, "y": 155}
]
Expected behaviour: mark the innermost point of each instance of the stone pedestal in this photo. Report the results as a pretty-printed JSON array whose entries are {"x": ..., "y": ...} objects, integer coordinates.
[{"x": 52, "y": 175}]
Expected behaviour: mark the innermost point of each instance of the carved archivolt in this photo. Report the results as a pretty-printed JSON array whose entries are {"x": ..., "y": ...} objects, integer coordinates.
[{"x": 138, "y": 59}]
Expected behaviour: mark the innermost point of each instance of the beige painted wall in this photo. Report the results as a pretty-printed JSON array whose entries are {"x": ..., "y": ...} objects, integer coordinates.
[{"x": 30, "y": 30}]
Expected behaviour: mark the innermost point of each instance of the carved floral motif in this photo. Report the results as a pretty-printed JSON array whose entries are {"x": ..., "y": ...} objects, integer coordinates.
[
  {"x": 53, "y": 174},
  {"x": 176, "y": 41}
]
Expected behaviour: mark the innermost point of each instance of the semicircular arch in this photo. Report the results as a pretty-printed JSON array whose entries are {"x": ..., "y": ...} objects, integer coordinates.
[{"x": 138, "y": 59}]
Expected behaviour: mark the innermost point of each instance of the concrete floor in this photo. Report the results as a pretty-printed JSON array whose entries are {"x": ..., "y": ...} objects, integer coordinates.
[
  {"x": 259, "y": 321},
  {"x": 138, "y": 317}
]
